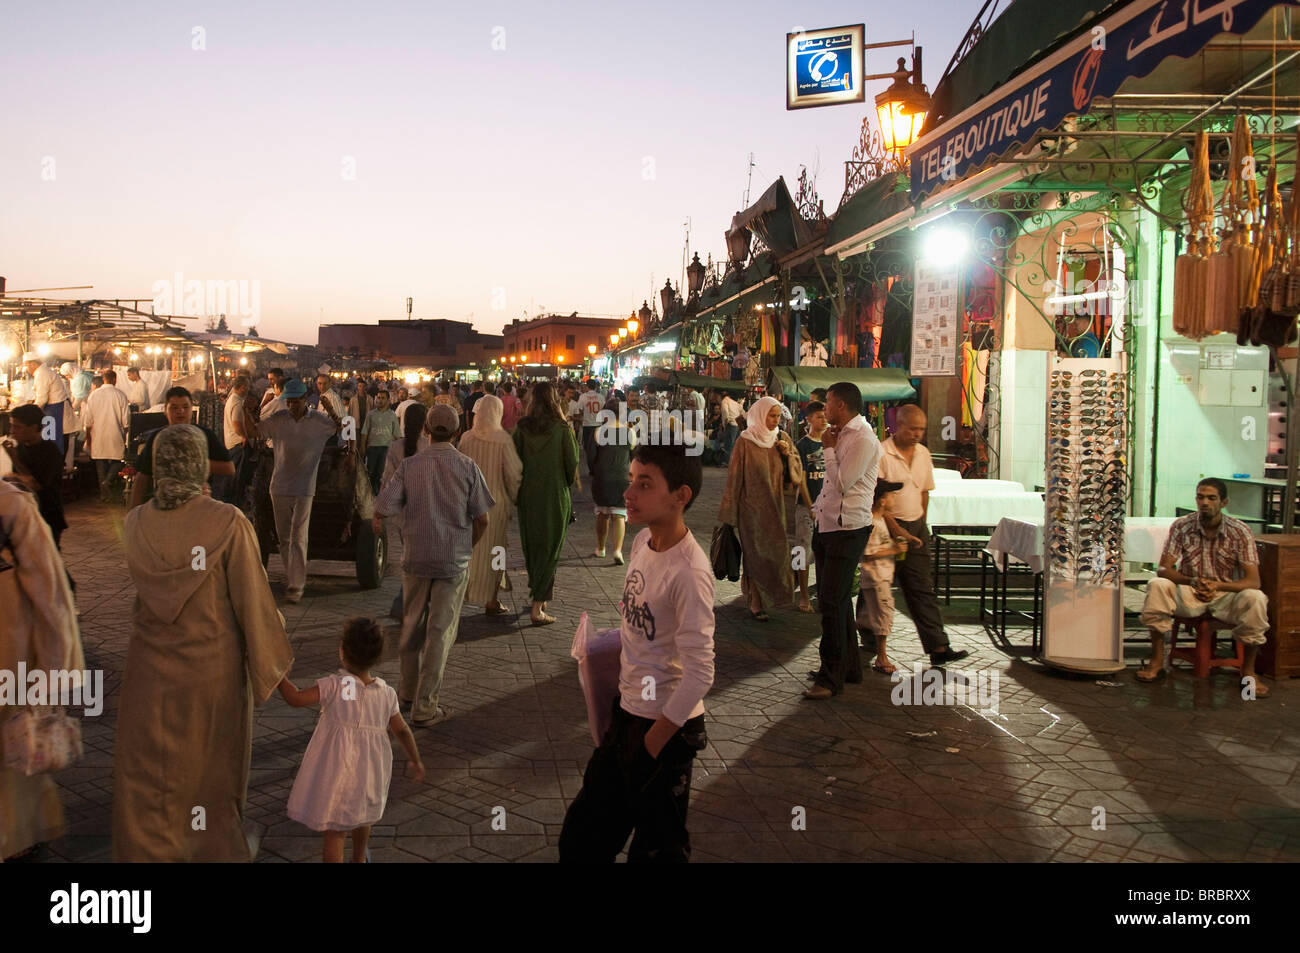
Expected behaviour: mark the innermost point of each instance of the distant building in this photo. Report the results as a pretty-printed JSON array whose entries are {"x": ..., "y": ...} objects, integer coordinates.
[
  {"x": 434, "y": 343},
  {"x": 558, "y": 339}
]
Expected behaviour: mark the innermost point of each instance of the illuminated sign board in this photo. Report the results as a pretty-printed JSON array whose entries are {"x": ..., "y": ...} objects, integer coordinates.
[{"x": 824, "y": 67}]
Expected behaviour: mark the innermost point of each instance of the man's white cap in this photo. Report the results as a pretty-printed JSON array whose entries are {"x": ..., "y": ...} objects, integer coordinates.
[
  {"x": 67, "y": 368},
  {"x": 31, "y": 356}
]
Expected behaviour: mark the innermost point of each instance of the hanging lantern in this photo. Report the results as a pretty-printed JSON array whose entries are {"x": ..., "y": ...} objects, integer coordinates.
[
  {"x": 666, "y": 297},
  {"x": 738, "y": 245},
  {"x": 695, "y": 275},
  {"x": 901, "y": 111}
]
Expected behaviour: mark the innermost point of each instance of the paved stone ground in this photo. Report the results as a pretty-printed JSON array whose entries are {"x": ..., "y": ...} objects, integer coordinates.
[{"x": 1185, "y": 770}]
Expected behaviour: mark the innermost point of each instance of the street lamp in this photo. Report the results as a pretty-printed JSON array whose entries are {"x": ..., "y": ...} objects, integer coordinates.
[
  {"x": 632, "y": 325},
  {"x": 901, "y": 109},
  {"x": 622, "y": 333},
  {"x": 613, "y": 340},
  {"x": 666, "y": 297},
  {"x": 737, "y": 245},
  {"x": 591, "y": 349},
  {"x": 645, "y": 314},
  {"x": 695, "y": 275}
]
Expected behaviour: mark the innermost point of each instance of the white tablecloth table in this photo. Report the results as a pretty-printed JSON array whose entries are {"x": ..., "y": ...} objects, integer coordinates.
[
  {"x": 977, "y": 487},
  {"x": 946, "y": 476},
  {"x": 986, "y": 509},
  {"x": 1021, "y": 539}
]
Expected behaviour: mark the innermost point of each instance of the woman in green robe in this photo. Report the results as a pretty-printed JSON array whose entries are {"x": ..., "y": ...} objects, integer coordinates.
[{"x": 549, "y": 452}]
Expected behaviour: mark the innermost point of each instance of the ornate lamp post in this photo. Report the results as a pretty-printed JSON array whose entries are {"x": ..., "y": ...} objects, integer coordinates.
[
  {"x": 738, "y": 245},
  {"x": 901, "y": 109},
  {"x": 668, "y": 301},
  {"x": 694, "y": 283}
]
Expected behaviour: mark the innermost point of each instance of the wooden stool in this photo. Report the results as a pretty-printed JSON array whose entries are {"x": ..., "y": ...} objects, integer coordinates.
[{"x": 1202, "y": 655}]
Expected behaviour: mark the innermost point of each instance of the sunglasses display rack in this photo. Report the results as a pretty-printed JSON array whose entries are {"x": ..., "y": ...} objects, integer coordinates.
[{"x": 1086, "y": 502}]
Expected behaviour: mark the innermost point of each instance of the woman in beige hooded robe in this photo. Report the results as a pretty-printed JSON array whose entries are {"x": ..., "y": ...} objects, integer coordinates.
[
  {"x": 38, "y": 627},
  {"x": 488, "y": 445},
  {"x": 763, "y": 461},
  {"x": 207, "y": 644}
]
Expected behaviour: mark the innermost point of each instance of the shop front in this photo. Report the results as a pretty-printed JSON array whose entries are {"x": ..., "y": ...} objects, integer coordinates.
[{"x": 1098, "y": 226}]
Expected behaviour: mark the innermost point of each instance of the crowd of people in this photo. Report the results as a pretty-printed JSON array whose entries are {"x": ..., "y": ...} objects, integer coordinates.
[{"x": 450, "y": 468}]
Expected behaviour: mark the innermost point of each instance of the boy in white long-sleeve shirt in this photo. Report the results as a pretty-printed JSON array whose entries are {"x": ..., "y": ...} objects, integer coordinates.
[{"x": 639, "y": 780}]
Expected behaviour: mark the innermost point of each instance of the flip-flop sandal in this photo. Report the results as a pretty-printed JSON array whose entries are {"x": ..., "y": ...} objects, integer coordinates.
[
  {"x": 883, "y": 669},
  {"x": 544, "y": 620},
  {"x": 1142, "y": 676},
  {"x": 807, "y": 608}
]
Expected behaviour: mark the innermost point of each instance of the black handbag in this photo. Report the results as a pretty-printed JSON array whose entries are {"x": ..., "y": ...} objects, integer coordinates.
[{"x": 724, "y": 553}]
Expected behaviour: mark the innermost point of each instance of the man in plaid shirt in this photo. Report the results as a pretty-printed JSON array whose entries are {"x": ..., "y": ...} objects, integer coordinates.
[{"x": 1209, "y": 565}]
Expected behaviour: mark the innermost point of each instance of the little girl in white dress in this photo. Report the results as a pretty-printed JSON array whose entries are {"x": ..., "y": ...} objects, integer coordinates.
[{"x": 342, "y": 785}]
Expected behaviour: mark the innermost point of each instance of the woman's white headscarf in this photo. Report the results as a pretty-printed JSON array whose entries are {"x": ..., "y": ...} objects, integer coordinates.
[
  {"x": 487, "y": 420},
  {"x": 758, "y": 430},
  {"x": 180, "y": 465}
]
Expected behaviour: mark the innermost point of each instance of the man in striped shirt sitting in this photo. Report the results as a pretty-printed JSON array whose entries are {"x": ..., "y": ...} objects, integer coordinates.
[{"x": 1209, "y": 565}]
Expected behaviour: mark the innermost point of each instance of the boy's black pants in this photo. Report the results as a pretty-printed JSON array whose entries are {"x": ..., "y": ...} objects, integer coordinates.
[{"x": 624, "y": 790}]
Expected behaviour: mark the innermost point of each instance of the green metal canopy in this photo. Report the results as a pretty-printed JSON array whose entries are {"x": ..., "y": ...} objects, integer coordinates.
[
  {"x": 704, "y": 382},
  {"x": 875, "y": 383},
  {"x": 690, "y": 379},
  {"x": 872, "y": 204}
]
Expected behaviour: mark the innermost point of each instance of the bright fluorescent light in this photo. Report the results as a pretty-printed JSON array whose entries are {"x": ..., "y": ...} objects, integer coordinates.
[{"x": 945, "y": 246}]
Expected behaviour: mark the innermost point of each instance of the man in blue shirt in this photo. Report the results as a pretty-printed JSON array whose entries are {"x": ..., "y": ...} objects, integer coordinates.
[{"x": 444, "y": 502}]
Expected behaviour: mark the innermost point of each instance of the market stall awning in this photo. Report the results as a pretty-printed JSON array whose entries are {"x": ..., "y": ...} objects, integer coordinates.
[
  {"x": 704, "y": 382},
  {"x": 739, "y": 290},
  {"x": 873, "y": 203},
  {"x": 776, "y": 220},
  {"x": 1136, "y": 38},
  {"x": 876, "y": 383}
]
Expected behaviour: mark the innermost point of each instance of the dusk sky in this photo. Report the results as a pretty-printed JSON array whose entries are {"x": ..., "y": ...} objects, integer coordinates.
[{"x": 556, "y": 173}]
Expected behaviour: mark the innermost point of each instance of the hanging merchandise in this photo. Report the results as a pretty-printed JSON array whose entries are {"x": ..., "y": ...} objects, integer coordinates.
[
  {"x": 1190, "y": 270},
  {"x": 1228, "y": 275},
  {"x": 1245, "y": 186},
  {"x": 1291, "y": 299}
]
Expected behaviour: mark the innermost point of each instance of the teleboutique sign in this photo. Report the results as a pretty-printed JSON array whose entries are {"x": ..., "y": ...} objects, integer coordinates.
[{"x": 1133, "y": 42}]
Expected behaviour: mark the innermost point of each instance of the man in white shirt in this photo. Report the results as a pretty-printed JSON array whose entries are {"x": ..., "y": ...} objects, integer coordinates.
[
  {"x": 236, "y": 437},
  {"x": 694, "y": 404},
  {"x": 78, "y": 391},
  {"x": 907, "y": 461},
  {"x": 591, "y": 404},
  {"x": 299, "y": 438},
  {"x": 573, "y": 408},
  {"x": 50, "y": 393},
  {"x": 105, "y": 419},
  {"x": 639, "y": 780},
  {"x": 137, "y": 394},
  {"x": 732, "y": 410},
  {"x": 275, "y": 387},
  {"x": 843, "y": 511}
]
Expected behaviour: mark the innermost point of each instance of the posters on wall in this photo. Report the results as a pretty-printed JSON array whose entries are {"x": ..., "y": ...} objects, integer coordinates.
[{"x": 936, "y": 328}]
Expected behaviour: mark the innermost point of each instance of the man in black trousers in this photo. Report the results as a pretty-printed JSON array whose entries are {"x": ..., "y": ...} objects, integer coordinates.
[
  {"x": 843, "y": 515},
  {"x": 907, "y": 461}
]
